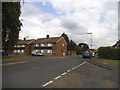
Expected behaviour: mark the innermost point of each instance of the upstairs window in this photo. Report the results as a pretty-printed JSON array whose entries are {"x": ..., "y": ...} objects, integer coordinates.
[
  {"x": 36, "y": 45},
  {"x": 50, "y": 44},
  {"x": 63, "y": 44},
  {"x": 22, "y": 45},
  {"x": 42, "y": 44}
]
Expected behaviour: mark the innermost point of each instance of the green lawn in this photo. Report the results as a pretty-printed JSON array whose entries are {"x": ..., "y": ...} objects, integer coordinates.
[
  {"x": 13, "y": 58},
  {"x": 110, "y": 61}
]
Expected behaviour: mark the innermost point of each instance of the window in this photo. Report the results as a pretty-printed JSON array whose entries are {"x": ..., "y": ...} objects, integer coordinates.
[
  {"x": 45, "y": 44},
  {"x": 42, "y": 44},
  {"x": 18, "y": 45},
  {"x": 49, "y": 44},
  {"x": 45, "y": 51},
  {"x": 15, "y": 46},
  {"x": 37, "y": 45},
  {"x": 22, "y": 45},
  {"x": 22, "y": 51},
  {"x": 15, "y": 51},
  {"x": 49, "y": 51},
  {"x": 41, "y": 51},
  {"x": 18, "y": 51},
  {"x": 63, "y": 45}
]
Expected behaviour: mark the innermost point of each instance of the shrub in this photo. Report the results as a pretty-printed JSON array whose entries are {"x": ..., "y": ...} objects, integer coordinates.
[{"x": 109, "y": 53}]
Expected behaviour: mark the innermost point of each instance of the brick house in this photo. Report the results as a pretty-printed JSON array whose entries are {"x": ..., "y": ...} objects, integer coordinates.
[
  {"x": 23, "y": 47},
  {"x": 56, "y": 46}
]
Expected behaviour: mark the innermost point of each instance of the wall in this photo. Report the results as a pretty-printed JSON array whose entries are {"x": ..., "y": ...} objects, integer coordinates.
[{"x": 58, "y": 49}]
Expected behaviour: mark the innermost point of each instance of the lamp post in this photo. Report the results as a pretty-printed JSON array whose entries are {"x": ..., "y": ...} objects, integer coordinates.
[{"x": 91, "y": 39}]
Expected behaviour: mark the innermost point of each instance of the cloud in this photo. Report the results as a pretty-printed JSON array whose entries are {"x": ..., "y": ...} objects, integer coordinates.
[{"x": 75, "y": 19}]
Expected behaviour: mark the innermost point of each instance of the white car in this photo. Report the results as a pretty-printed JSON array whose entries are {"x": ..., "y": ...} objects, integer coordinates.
[{"x": 37, "y": 53}]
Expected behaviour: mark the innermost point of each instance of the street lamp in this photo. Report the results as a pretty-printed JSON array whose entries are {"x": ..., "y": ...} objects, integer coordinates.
[{"x": 91, "y": 39}]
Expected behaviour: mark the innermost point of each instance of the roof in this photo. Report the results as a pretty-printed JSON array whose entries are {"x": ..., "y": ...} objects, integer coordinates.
[
  {"x": 25, "y": 41},
  {"x": 47, "y": 40},
  {"x": 117, "y": 44}
]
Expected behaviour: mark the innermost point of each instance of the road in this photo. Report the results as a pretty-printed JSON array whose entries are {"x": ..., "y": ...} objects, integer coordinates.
[
  {"x": 59, "y": 72},
  {"x": 35, "y": 74}
]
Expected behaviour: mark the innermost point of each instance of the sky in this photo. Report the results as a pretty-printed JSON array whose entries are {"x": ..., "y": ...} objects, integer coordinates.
[{"x": 73, "y": 17}]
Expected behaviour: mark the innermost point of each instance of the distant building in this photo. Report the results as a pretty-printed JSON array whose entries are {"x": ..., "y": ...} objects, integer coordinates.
[
  {"x": 117, "y": 45},
  {"x": 56, "y": 46}
]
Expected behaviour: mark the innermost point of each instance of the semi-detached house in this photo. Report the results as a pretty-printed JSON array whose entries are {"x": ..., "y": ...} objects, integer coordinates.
[{"x": 56, "y": 46}]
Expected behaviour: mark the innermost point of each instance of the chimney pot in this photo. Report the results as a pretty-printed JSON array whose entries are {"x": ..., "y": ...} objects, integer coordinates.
[
  {"x": 24, "y": 38},
  {"x": 47, "y": 36}
]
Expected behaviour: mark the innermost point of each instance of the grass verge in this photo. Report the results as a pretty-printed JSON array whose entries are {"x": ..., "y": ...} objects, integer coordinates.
[
  {"x": 110, "y": 61},
  {"x": 13, "y": 58}
]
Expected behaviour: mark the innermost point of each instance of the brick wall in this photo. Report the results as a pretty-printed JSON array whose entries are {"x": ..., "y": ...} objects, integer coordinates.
[{"x": 59, "y": 49}]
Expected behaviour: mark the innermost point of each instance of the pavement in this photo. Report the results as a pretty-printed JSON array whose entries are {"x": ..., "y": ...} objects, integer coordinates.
[{"x": 74, "y": 72}]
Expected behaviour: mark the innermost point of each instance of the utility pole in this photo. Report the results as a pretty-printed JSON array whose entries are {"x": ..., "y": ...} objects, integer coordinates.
[{"x": 91, "y": 39}]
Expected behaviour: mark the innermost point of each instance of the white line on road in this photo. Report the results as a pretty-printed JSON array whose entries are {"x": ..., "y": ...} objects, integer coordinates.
[
  {"x": 64, "y": 73},
  {"x": 57, "y": 77},
  {"x": 82, "y": 63},
  {"x": 47, "y": 83},
  {"x": 73, "y": 68},
  {"x": 68, "y": 70},
  {"x": 76, "y": 67}
]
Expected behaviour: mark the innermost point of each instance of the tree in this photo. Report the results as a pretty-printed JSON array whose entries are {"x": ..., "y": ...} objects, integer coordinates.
[
  {"x": 78, "y": 50},
  {"x": 71, "y": 45},
  {"x": 83, "y": 46},
  {"x": 11, "y": 25},
  {"x": 65, "y": 37}
]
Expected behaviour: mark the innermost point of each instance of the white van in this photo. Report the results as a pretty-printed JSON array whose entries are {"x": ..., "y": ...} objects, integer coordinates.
[{"x": 36, "y": 53}]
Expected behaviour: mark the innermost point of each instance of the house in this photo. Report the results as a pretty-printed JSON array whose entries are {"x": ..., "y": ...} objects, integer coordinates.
[
  {"x": 117, "y": 45},
  {"x": 56, "y": 46},
  {"x": 23, "y": 47}
]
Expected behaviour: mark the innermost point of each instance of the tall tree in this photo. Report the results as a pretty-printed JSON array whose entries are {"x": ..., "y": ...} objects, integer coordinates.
[
  {"x": 11, "y": 25},
  {"x": 65, "y": 37},
  {"x": 71, "y": 45}
]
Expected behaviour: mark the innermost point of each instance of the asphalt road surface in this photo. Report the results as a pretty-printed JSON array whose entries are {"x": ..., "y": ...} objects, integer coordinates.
[
  {"x": 35, "y": 74},
  {"x": 40, "y": 70}
]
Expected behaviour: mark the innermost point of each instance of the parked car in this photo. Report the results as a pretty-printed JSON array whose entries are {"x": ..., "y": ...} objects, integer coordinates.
[
  {"x": 36, "y": 53},
  {"x": 93, "y": 54},
  {"x": 3, "y": 53},
  {"x": 87, "y": 54}
]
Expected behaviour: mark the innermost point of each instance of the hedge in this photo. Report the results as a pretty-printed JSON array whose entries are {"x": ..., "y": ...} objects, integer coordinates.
[{"x": 109, "y": 53}]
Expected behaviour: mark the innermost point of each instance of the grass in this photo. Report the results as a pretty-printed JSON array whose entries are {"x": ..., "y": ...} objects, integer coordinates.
[
  {"x": 13, "y": 58},
  {"x": 110, "y": 61}
]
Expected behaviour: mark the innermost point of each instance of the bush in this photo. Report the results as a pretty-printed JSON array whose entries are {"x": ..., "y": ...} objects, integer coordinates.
[{"x": 109, "y": 53}]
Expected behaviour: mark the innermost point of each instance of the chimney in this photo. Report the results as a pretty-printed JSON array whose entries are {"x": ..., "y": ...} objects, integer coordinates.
[
  {"x": 24, "y": 38},
  {"x": 47, "y": 36}
]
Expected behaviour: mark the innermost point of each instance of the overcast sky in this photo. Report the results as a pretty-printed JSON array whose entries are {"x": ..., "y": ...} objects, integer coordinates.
[{"x": 74, "y": 18}]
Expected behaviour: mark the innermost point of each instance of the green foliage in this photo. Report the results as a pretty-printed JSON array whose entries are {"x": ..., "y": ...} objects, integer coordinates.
[
  {"x": 71, "y": 45},
  {"x": 81, "y": 48},
  {"x": 78, "y": 50},
  {"x": 109, "y": 53},
  {"x": 11, "y": 24},
  {"x": 65, "y": 37}
]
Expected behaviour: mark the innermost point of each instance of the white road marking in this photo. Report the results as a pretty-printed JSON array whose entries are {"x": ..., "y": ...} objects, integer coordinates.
[
  {"x": 82, "y": 63},
  {"x": 57, "y": 77},
  {"x": 68, "y": 70},
  {"x": 76, "y": 67},
  {"x": 73, "y": 68},
  {"x": 64, "y": 73},
  {"x": 47, "y": 83}
]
